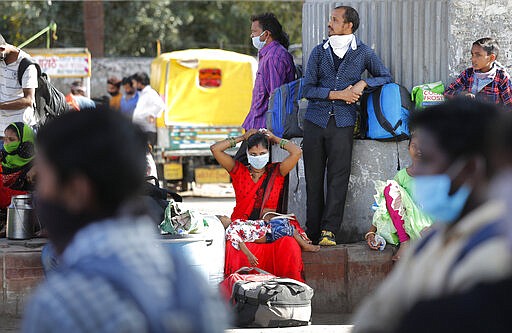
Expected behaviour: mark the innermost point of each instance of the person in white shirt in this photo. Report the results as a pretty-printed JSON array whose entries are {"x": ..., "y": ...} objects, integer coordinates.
[
  {"x": 15, "y": 99},
  {"x": 149, "y": 106}
]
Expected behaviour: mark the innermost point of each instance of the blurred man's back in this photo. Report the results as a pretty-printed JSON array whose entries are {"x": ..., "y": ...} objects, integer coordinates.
[{"x": 112, "y": 275}]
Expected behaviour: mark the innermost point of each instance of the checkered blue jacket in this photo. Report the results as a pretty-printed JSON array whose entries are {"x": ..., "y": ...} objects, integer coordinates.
[
  {"x": 114, "y": 277},
  {"x": 321, "y": 77}
]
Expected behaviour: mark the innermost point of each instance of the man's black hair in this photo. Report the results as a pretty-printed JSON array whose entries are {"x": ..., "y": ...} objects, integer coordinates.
[
  {"x": 104, "y": 147},
  {"x": 350, "y": 16},
  {"x": 499, "y": 142},
  {"x": 490, "y": 45},
  {"x": 268, "y": 21},
  {"x": 459, "y": 126},
  {"x": 2, "y": 40},
  {"x": 141, "y": 77},
  {"x": 127, "y": 80},
  {"x": 258, "y": 139}
]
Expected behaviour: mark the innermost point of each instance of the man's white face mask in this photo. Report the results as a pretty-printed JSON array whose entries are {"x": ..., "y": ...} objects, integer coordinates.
[{"x": 3, "y": 54}]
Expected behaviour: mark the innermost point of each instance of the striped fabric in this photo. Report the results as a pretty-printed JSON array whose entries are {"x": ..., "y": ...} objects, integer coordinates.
[{"x": 275, "y": 68}]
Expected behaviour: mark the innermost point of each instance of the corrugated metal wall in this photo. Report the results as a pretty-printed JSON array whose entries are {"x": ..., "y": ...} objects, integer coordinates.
[{"x": 410, "y": 36}]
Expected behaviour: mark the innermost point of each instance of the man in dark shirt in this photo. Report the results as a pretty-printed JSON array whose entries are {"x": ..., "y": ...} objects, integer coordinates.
[{"x": 333, "y": 85}]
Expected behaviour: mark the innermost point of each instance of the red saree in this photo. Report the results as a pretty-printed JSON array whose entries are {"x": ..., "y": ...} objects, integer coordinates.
[{"x": 283, "y": 257}]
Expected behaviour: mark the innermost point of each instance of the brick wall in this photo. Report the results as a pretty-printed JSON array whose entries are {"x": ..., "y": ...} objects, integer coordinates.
[{"x": 20, "y": 273}]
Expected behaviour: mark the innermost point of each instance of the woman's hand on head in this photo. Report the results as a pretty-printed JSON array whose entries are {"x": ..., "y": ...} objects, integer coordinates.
[
  {"x": 269, "y": 135},
  {"x": 249, "y": 133}
]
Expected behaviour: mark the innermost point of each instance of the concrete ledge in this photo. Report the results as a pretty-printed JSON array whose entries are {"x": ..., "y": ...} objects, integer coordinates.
[
  {"x": 343, "y": 275},
  {"x": 21, "y": 272}
]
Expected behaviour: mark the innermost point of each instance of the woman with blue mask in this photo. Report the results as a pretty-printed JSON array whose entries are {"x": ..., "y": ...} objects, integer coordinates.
[
  {"x": 466, "y": 245},
  {"x": 258, "y": 190}
]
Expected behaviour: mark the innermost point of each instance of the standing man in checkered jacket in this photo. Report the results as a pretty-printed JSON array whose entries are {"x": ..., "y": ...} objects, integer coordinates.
[{"x": 333, "y": 85}]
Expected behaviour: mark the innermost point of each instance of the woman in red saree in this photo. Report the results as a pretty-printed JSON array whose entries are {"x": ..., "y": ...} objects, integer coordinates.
[{"x": 258, "y": 189}]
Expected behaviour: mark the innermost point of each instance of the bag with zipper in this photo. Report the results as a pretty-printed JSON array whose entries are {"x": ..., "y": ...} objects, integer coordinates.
[
  {"x": 286, "y": 109},
  {"x": 385, "y": 113},
  {"x": 271, "y": 302},
  {"x": 50, "y": 103}
]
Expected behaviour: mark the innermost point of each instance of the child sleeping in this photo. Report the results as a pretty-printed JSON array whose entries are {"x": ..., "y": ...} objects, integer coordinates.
[{"x": 267, "y": 230}]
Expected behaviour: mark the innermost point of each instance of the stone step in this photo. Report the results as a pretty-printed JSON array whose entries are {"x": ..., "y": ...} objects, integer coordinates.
[{"x": 344, "y": 274}]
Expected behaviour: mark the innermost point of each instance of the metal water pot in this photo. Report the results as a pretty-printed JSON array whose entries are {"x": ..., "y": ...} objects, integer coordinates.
[{"x": 20, "y": 217}]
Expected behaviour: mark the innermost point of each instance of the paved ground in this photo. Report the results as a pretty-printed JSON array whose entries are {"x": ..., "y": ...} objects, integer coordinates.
[
  {"x": 215, "y": 206},
  {"x": 303, "y": 329}
]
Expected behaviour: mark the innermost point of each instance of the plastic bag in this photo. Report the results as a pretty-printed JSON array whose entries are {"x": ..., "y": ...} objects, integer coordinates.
[
  {"x": 427, "y": 94},
  {"x": 182, "y": 223}
]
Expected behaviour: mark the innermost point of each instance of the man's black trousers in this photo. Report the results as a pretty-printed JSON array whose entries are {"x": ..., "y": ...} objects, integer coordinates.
[{"x": 329, "y": 147}]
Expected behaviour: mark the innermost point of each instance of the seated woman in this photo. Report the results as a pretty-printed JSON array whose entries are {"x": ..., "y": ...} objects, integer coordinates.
[
  {"x": 16, "y": 157},
  {"x": 397, "y": 218},
  {"x": 258, "y": 188}
]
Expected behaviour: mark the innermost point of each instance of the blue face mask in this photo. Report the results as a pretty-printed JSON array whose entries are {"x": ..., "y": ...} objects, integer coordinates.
[
  {"x": 258, "y": 162},
  {"x": 257, "y": 43},
  {"x": 431, "y": 193}
]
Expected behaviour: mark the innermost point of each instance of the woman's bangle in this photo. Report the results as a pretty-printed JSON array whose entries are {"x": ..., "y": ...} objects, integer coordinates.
[
  {"x": 368, "y": 234},
  {"x": 232, "y": 141},
  {"x": 283, "y": 143}
]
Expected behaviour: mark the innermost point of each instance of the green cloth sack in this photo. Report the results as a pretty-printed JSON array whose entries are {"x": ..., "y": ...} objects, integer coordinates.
[
  {"x": 428, "y": 94},
  {"x": 182, "y": 223}
]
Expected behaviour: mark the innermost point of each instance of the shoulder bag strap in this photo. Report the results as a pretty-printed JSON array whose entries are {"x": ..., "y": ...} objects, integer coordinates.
[
  {"x": 380, "y": 116},
  {"x": 24, "y": 63},
  {"x": 272, "y": 174}
]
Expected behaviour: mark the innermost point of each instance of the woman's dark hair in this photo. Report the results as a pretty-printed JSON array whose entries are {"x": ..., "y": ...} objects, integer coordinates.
[
  {"x": 268, "y": 21},
  {"x": 351, "y": 16},
  {"x": 105, "y": 147},
  {"x": 141, "y": 77},
  {"x": 459, "y": 126},
  {"x": 490, "y": 45},
  {"x": 258, "y": 139}
]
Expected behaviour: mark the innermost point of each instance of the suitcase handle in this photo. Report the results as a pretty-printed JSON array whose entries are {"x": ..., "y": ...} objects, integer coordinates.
[{"x": 248, "y": 269}]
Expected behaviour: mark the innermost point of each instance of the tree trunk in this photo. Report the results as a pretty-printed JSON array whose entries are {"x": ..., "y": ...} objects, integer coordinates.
[{"x": 94, "y": 27}]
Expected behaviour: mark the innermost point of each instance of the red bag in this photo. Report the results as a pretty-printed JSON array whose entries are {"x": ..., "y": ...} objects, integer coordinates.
[{"x": 250, "y": 274}]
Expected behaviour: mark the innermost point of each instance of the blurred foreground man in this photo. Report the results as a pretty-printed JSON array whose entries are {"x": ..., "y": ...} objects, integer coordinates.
[
  {"x": 466, "y": 245},
  {"x": 112, "y": 275},
  {"x": 486, "y": 307}
]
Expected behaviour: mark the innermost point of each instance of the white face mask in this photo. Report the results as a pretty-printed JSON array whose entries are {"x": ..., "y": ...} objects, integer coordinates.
[
  {"x": 341, "y": 43},
  {"x": 257, "y": 43},
  {"x": 258, "y": 162},
  {"x": 2, "y": 56}
]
